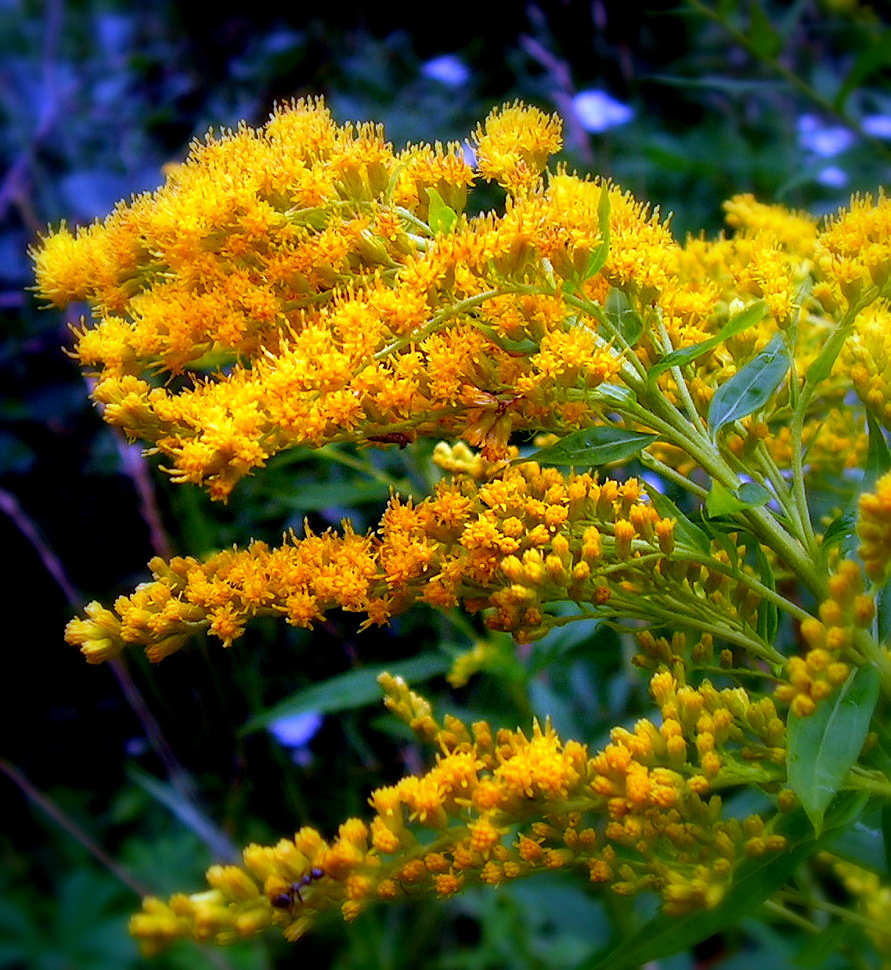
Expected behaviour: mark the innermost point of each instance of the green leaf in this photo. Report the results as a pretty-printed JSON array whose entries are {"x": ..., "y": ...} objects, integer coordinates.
[
  {"x": 736, "y": 324},
  {"x": 821, "y": 366},
  {"x": 886, "y": 834},
  {"x": 186, "y": 811},
  {"x": 822, "y": 748},
  {"x": 840, "y": 531},
  {"x": 310, "y": 497},
  {"x": 599, "y": 256},
  {"x": 721, "y": 501},
  {"x": 883, "y": 611},
  {"x": 768, "y": 614},
  {"x": 750, "y": 388},
  {"x": 753, "y": 495},
  {"x": 764, "y": 40},
  {"x": 874, "y": 58},
  {"x": 878, "y": 456},
  {"x": 817, "y": 949},
  {"x": 616, "y": 395},
  {"x": 755, "y": 881},
  {"x": 686, "y": 531},
  {"x": 623, "y": 317},
  {"x": 441, "y": 218},
  {"x": 349, "y": 690},
  {"x": 858, "y": 843},
  {"x": 593, "y": 446}
]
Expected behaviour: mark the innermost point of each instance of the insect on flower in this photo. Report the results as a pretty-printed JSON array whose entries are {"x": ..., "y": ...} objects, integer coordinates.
[{"x": 286, "y": 899}]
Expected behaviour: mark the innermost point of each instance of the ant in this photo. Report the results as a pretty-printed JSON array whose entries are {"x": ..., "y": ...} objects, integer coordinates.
[
  {"x": 400, "y": 438},
  {"x": 285, "y": 900}
]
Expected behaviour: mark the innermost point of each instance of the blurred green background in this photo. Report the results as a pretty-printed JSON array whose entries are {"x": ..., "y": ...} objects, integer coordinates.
[{"x": 114, "y": 780}]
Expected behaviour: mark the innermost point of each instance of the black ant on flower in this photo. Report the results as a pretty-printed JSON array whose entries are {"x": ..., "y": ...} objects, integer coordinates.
[{"x": 286, "y": 899}]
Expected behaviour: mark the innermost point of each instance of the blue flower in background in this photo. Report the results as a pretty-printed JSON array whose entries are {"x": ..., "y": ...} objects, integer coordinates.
[
  {"x": 295, "y": 732},
  {"x": 879, "y": 126},
  {"x": 597, "y": 111},
  {"x": 448, "y": 69},
  {"x": 822, "y": 139}
]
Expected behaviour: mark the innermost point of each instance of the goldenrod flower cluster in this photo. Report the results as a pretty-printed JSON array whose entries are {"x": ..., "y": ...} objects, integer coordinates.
[
  {"x": 499, "y": 805},
  {"x": 867, "y": 357},
  {"x": 874, "y": 530},
  {"x": 289, "y": 279},
  {"x": 299, "y": 286},
  {"x": 306, "y": 284},
  {"x": 515, "y": 545},
  {"x": 823, "y": 668},
  {"x": 852, "y": 253}
]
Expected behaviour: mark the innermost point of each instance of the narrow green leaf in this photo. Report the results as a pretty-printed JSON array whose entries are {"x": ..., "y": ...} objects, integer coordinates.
[
  {"x": 623, "y": 317},
  {"x": 517, "y": 348},
  {"x": 768, "y": 614},
  {"x": 617, "y": 395},
  {"x": 816, "y": 950},
  {"x": 721, "y": 501},
  {"x": 883, "y": 611},
  {"x": 309, "y": 497},
  {"x": 822, "y": 748},
  {"x": 858, "y": 843},
  {"x": 598, "y": 258},
  {"x": 886, "y": 834},
  {"x": 874, "y": 58},
  {"x": 593, "y": 446},
  {"x": 349, "y": 690},
  {"x": 765, "y": 41},
  {"x": 736, "y": 324},
  {"x": 686, "y": 531},
  {"x": 755, "y": 881},
  {"x": 751, "y": 387},
  {"x": 753, "y": 495},
  {"x": 878, "y": 456},
  {"x": 441, "y": 218},
  {"x": 600, "y": 254},
  {"x": 821, "y": 366},
  {"x": 185, "y": 810},
  {"x": 840, "y": 531}
]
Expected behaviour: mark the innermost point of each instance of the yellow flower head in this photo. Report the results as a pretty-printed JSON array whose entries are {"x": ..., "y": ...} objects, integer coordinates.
[{"x": 514, "y": 144}]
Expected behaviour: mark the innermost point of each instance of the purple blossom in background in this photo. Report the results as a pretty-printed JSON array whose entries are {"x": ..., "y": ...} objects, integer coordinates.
[
  {"x": 833, "y": 177},
  {"x": 879, "y": 126},
  {"x": 822, "y": 139},
  {"x": 597, "y": 111},
  {"x": 448, "y": 69},
  {"x": 295, "y": 732}
]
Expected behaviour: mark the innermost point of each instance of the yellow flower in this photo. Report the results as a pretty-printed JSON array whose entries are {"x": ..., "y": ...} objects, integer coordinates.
[{"x": 514, "y": 144}]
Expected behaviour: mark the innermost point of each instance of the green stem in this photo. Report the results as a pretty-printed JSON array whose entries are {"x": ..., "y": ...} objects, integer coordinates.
[
  {"x": 873, "y": 653},
  {"x": 333, "y": 453},
  {"x": 790, "y": 916},
  {"x": 667, "y": 420},
  {"x": 666, "y": 471},
  {"x": 789, "y": 895},
  {"x": 462, "y": 306},
  {"x": 679, "y": 379},
  {"x": 744, "y": 579}
]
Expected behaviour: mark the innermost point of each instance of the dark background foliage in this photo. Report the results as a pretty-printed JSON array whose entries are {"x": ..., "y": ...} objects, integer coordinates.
[{"x": 152, "y": 767}]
